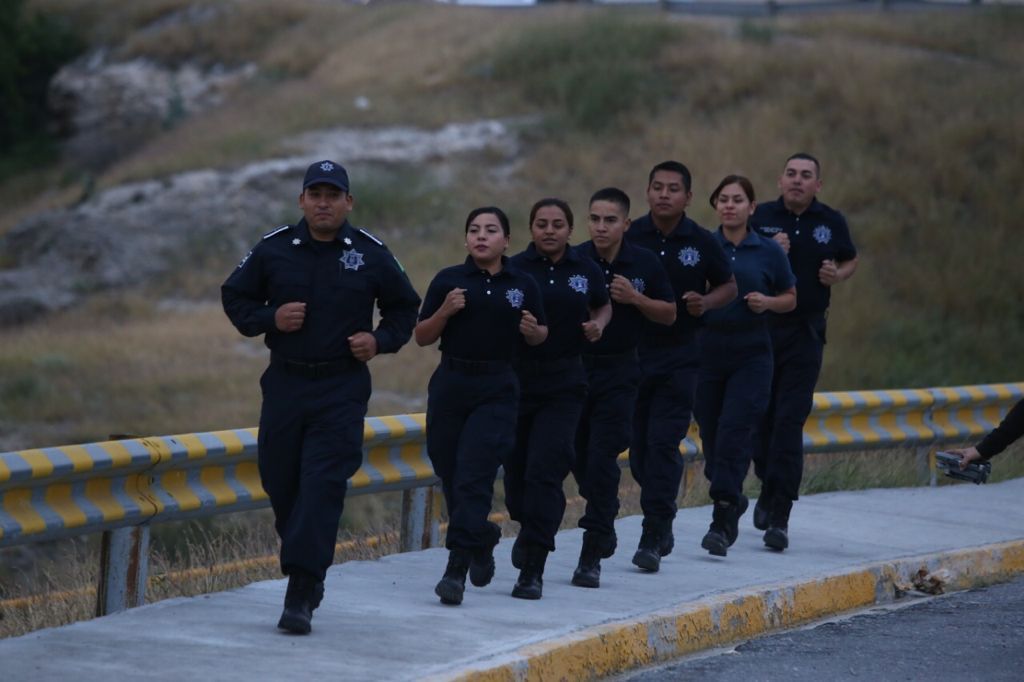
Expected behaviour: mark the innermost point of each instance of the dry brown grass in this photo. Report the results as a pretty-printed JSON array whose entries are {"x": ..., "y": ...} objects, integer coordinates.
[{"x": 916, "y": 118}]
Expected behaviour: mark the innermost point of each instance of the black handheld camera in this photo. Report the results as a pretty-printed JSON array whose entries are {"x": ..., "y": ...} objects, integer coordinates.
[{"x": 975, "y": 472}]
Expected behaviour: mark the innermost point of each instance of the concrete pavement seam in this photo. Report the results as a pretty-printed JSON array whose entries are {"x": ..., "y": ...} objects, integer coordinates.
[{"x": 722, "y": 619}]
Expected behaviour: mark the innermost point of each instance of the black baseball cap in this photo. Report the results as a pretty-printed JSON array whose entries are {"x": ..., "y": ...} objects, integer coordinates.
[{"x": 327, "y": 172}]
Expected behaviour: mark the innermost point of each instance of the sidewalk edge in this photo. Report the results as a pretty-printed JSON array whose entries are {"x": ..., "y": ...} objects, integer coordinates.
[{"x": 735, "y": 616}]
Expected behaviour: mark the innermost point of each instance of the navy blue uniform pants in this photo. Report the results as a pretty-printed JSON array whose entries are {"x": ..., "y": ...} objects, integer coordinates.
[
  {"x": 549, "y": 411},
  {"x": 310, "y": 444},
  {"x": 604, "y": 433},
  {"x": 733, "y": 387},
  {"x": 663, "y": 408},
  {"x": 779, "y": 458},
  {"x": 471, "y": 422}
]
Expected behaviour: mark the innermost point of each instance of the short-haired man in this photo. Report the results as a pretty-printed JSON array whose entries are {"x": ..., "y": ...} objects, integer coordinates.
[
  {"x": 702, "y": 280},
  {"x": 640, "y": 291},
  {"x": 310, "y": 289},
  {"x": 821, "y": 253}
]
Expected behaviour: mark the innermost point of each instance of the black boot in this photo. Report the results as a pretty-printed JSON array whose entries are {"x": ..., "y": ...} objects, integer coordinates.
[
  {"x": 530, "y": 584},
  {"x": 777, "y": 535},
  {"x": 668, "y": 540},
  {"x": 763, "y": 510},
  {"x": 595, "y": 548},
  {"x": 299, "y": 601},
  {"x": 724, "y": 519},
  {"x": 648, "y": 553},
  {"x": 453, "y": 584},
  {"x": 481, "y": 566},
  {"x": 518, "y": 553},
  {"x": 741, "y": 509}
]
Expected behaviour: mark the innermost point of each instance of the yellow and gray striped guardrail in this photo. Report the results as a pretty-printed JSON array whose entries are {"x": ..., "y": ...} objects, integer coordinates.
[{"x": 55, "y": 492}]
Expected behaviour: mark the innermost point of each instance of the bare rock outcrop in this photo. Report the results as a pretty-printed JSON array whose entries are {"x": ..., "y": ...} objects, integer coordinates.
[
  {"x": 105, "y": 109},
  {"x": 133, "y": 234}
]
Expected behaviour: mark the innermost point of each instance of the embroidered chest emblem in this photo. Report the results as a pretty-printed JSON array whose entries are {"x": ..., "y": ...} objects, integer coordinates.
[
  {"x": 822, "y": 234},
  {"x": 638, "y": 284},
  {"x": 579, "y": 283},
  {"x": 352, "y": 259},
  {"x": 515, "y": 298},
  {"x": 689, "y": 256}
]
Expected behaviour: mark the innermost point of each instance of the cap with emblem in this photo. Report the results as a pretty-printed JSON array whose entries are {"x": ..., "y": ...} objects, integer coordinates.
[{"x": 327, "y": 172}]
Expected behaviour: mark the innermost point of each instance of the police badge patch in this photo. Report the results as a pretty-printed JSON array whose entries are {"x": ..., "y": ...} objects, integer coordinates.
[
  {"x": 351, "y": 259},
  {"x": 638, "y": 284},
  {"x": 515, "y": 297},
  {"x": 822, "y": 234},
  {"x": 578, "y": 283},
  {"x": 689, "y": 256}
]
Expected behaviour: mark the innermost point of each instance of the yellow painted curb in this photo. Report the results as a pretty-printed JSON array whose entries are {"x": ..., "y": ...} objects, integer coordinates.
[{"x": 722, "y": 619}]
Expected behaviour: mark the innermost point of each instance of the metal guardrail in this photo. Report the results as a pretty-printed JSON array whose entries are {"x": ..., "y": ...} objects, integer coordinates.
[{"x": 122, "y": 486}]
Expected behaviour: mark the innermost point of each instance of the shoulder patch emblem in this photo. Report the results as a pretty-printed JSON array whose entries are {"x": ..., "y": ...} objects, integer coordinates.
[
  {"x": 515, "y": 297},
  {"x": 689, "y": 256},
  {"x": 822, "y": 234},
  {"x": 579, "y": 283},
  {"x": 244, "y": 259},
  {"x": 277, "y": 230},
  {"x": 370, "y": 237}
]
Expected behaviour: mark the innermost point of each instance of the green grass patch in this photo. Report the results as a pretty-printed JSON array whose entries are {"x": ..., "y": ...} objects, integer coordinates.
[{"x": 585, "y": 74}]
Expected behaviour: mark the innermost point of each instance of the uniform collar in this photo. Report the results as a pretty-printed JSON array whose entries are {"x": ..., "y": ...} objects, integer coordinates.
[
  {"x": 684, "y": 228},
  {"x": 469, "y": 267},
  {"x": 815, "y": 207},
  {"x": 751, "y": 240},
  {"x": 626, "y": 251},
  {"x": 345, "y": 232},
  {"x": 532, "y": 254}
]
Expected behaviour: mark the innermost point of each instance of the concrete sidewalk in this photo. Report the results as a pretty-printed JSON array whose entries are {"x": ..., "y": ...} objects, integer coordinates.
[{"x": 381, "y": 620}]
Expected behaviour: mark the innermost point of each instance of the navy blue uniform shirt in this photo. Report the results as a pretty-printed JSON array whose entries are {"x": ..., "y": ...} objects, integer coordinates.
[
  {"x": 818, "y": 234},
  {"x": 339, "y": 281},
  {"x": 571, "y": 288},
  {"x": 648, "y": 276},
  {"x": 488, "y": 327},
  {"x": 759, "y": 265},
  {"x": 693, "y": 259}
]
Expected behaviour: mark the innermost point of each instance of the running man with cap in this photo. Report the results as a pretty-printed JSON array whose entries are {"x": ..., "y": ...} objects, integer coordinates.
[{"x": 310, "y": 289}]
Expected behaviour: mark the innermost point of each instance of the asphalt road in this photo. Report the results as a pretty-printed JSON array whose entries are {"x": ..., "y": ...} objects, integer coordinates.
[{"x": 972, "y": 635}]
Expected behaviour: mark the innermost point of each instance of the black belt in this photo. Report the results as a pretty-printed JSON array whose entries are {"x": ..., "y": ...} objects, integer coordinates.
[
  {"x": 796, "y": 320},
  {"x": 314, "y": 370},
  {"x": 547, "y": 366},
  {"x": 726, "y": 327},
  {"x": 593, "y": 360},
  {"x": 667, "y": 341},
  {"x": 474, "y": 366}
]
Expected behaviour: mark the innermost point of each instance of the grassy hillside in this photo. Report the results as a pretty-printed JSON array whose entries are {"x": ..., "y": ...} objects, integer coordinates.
[{"x": 917, "y": 118}]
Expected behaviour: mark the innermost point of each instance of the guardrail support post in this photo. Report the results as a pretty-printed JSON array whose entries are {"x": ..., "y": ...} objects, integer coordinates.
[
  {"x": 419, "y": 520},
  {"x": 926, "y": 467},
  {"x": 124, "y": 568}
]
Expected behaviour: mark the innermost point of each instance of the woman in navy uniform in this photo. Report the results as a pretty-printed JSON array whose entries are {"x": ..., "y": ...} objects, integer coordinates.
[
  {"x": 735, "y": 376},
  {"x": 552, "y": 387},
  {"x": 480, "y": 310},
  {"x": 310, "y": 289}
]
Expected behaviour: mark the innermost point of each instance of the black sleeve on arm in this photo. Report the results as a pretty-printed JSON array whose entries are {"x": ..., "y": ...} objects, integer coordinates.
[
  {"x": 1009, "y": 430},
  {"x": 398, "y": 303},
  {"x": 244, "y": 297}
]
